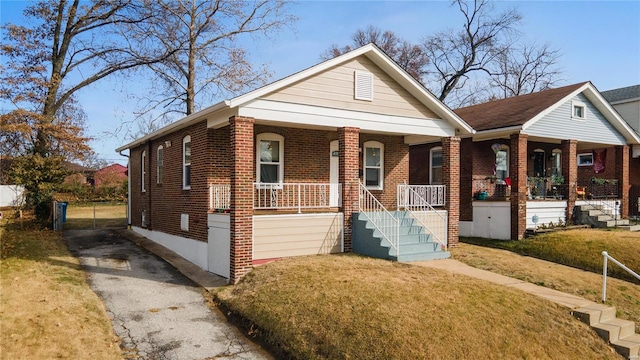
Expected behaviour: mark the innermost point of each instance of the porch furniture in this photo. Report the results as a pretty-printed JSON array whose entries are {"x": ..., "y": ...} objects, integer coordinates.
[{"x": 581, "y": 192}]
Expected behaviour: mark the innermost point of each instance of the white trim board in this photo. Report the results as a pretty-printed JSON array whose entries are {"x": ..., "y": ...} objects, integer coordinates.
[{"x": 193, "y": 250}]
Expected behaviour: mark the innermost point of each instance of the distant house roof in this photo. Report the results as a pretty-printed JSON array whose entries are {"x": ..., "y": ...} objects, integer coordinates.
[
  {"x": 621, "y": 94},
  {"x": 513, "y": 111},
  {"x": 113, "y": 168}
]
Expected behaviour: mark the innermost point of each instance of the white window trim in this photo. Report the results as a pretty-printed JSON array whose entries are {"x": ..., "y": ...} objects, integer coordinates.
[
  {"x": 159, "y": 164},
  {"x": 373, "y": 144},
  {"x": 437, "y": 148},
  {"x": 575, "y": 104},
  {"x": 581, "y": 163},
  {"x": 143, "y": 173},
  {"x": 271, "y": 137},
  {"x": 558, "y": 153},
  {"x": 185, "y": 140}
]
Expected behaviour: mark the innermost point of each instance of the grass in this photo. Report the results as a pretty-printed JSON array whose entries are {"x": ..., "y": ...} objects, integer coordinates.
[
  {"x": 579, "y": 248},
  {"x": 106, "y": 215},
  {"x": 347, "y": 307},
  {"x": 572, "y": 279},
  {"x": 47, "y": 308}
]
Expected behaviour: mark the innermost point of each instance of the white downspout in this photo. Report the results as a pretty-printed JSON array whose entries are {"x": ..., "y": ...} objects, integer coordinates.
[{"x": 128, "y": 189}]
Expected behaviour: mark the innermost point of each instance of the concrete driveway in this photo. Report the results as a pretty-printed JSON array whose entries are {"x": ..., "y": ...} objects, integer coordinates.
[{"x": 156, "y": 311}]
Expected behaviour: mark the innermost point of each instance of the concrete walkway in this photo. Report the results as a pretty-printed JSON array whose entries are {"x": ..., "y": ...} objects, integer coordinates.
[{"x": 558, "y": 297}]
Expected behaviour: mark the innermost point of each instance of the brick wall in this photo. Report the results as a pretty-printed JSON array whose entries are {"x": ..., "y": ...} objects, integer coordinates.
[
  {"x": 622, "y": 174},
  {"x": 396, "y": 166},
  {"x": 467, "y": 159},
  {"x": 348, "y": 177},
  {"x": 518, "y": 174},
  {"x": 451, "y": 178}
]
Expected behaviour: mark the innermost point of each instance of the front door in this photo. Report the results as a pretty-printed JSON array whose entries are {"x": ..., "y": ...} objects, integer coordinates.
[
  {"x": 334, "y": 171},
  {"x": 538, "y": 163}
]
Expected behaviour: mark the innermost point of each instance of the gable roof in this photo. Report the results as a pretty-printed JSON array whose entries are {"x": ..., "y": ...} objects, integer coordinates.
[
  {"x": 517, "y": 113},
  {"x": 621, "y": 94},
  {"x": 513, "y": 111},
  {"x": 371, "y": 51}
]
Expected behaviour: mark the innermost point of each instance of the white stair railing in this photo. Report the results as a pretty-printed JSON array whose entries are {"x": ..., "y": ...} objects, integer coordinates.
[
  {"x": 413, "y": 201},
  {"x": 604, "y": 273},
  {"x": 296, "y": 196},
  {"x": 379, "y": 217}
]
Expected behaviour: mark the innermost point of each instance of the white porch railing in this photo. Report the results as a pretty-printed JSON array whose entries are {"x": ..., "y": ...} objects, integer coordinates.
[
  {"x": 604, "y": 273},
  {"x": 379, "y": 217},
  {"x": 411, "y": 198},
  {"x": 433, "y": 195},
  {"x": 296, "y": 196},
  {"x": 219, "y": 196}
]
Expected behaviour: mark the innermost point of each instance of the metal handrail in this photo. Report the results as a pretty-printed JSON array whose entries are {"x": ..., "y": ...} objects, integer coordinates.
[
  {"x": 387, "y": 224},
  {"x": 604, "y": 273},
  {"x": 421, "y": 205},
  {"x": 608, "y": 206}
]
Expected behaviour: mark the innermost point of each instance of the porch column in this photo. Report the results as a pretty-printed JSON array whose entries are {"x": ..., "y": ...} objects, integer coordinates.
[
  {"x": 518, "y": 174},
  {"x": 348, "y": 147},
  {"x": 570, "y": 173},
  {"x": 451, "y": 179},
  {"x": 466, "y": 179},
  {"x": 241, "y": 220},
  {"x": 622, "y": 174}
]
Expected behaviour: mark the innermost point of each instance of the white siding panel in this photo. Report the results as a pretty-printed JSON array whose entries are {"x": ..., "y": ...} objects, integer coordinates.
[
  {"x": 547, "y": 211},
  {"x": 277, "y": 236},
  {"x": 558, "y": 124},
  {"x": 491, "y": 220},
  {"x": 335, "y": 88}
]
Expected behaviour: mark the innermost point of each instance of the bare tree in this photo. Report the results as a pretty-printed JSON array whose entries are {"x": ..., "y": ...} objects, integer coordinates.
[
  {"x": 524, "y": 70},
  {"x": 455, "y": 55},
  {"x": 69, "y": 46},
  {"x": 409, "y": 56},
  {"x": 208, "y": 57}
]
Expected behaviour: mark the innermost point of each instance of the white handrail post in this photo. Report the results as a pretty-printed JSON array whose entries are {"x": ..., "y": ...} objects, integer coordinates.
[
  {"x": 604, "y": 277},
  {"x": 299, "y": 206}
]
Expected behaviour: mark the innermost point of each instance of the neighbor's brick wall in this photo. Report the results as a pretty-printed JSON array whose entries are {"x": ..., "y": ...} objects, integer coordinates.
[
  {"x": 622, "y": 174},
  {"x": 467, "y": 158},
  {"x": 570, "y": 173},
  {"x": 634, "y": 169},
  {"x": 518, "y": 174},
  {"x": 585, "y": 173}
]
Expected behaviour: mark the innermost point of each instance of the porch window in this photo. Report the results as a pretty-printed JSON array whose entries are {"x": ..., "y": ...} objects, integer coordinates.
[
  {"x": 502, "y": 163},
  {"x": 435, "y": 165},
  {"x": 585, "y": 159},
  {"x": 143, "y": 172},
  {"x": 160, "y": 165},
  {"x": 186, "y": 162},
  {"x": 373, "y": 165},
  {"x": 270, "y": 158},
  {"x": 556, "y": 162},
  {"x": 539, "y": 162}
]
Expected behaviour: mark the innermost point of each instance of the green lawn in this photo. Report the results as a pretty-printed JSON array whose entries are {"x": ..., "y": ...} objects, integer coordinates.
[{"x": 100, "y": 215}]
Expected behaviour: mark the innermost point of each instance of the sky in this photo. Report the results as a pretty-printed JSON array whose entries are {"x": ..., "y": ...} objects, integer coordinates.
[{"x": 599, "y": 42}]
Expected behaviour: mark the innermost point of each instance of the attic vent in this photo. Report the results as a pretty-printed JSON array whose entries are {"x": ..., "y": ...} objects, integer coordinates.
[{"x": 363, "y": 86}]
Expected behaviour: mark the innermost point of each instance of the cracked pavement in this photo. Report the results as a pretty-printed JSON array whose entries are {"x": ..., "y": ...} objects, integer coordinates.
[{"x": 156, "y": 311}]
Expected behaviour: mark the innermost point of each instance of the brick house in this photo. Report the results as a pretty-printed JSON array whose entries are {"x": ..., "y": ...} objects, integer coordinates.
[
  {"x": 537, "y": 154},
  {"x": 110, "y": 175},
  {"x": 289, "y": 168},
  {"x": 626, "y": 101}
]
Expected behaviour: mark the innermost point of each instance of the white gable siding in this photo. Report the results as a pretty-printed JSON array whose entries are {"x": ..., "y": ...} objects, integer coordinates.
[
  {"x": 595, "y": 128},
  {"x": 630, "y": 112},
  {"x": 334, "y": 88}
]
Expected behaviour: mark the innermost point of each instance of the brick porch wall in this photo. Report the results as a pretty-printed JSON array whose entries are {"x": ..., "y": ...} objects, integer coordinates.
[
  {"x": 569, "y": 164},
  {"x": 622, "y": 174},
  {"x": 348, "y": 140},
  {"x": 467, "y": 159},
  {"x": 451, "y": 179},
  {"x": 518, "y": 173},
  {"x": 242, "y": 178}
]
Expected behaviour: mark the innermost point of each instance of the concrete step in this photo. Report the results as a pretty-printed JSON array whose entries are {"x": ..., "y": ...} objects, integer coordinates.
[
  {"x": 423, "y": 256},
  {"x": 630, "y": 227},
  {"x": 619, "y": 333},
  {"x": 615, "y": 329},
  {"x": 628, "y": 347},
  {"x": 612, "y": 223}
]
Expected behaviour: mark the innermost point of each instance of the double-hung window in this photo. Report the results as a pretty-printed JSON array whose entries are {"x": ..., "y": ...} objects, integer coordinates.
[
  {"x": 143, "y": 172},
  {"x": 435, "y": 161},
  {"x": 373, "y": 165},
  {"x": 186, "y": 162},
  {"x": 270, "y": 158},
  {"x": 160, "y": 165}
]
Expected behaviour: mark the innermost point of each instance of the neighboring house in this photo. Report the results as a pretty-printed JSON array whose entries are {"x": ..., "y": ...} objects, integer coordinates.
[
  {"x": 627, "y": 102},
  {"x": 289, "y": 168},
  {"x": 79, "y": 174},
  {"x": 535, "y": 155},
  {"x": 114, "y": 174}
]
